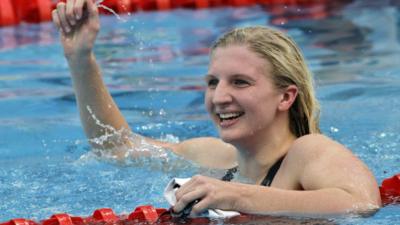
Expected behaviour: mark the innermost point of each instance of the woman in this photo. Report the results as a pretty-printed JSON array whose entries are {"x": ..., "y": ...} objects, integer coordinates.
[{"x": 260, "y": 96}]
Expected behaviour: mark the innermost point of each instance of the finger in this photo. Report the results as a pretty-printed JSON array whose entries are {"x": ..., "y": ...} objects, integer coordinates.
[
  {"x": 184, "y": 189},
  {"x": 70, "y": 12},
  {"x": 78, "y": 8},
  {"x": 188, "y": 198},
  {"x": 92, "y": 8},
  {"x": 201, "y": 206},
  {"x": 193, "y": 184},
  {"x": 62, "y": 18},
  {"x": 56, "y": 21}
]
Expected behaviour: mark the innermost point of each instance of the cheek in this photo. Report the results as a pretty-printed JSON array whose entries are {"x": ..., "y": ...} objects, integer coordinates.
[{"x": 257, "y": 105}]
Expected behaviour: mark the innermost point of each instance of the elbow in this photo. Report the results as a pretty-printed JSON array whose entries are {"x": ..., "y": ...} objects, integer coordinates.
[
  {"x": 366, "y": 206},
  {"x": 352, "y": 202}
]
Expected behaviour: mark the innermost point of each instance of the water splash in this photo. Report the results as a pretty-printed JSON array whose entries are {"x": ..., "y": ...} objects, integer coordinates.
[
  {"x": 134, "y": 148},
  {"x": 98, "y": 2},
  {"x": 117, "y": 140},
  {"x": 109, "y": 130},
  {"x": 99, "y": 5}
]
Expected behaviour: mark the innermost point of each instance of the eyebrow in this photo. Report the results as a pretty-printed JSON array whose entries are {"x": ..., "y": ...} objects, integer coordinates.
[
  {"x": 209, "y": 76},
  {"x": 234, "y": 76},
  {"x": 243, "y": 76}
]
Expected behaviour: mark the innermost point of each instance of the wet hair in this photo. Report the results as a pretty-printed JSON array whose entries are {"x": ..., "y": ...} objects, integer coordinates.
[{"x": 288, "y": 68}]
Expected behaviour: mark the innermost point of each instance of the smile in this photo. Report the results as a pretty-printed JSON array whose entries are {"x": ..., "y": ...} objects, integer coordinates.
[{"x": 229, "y": 116}]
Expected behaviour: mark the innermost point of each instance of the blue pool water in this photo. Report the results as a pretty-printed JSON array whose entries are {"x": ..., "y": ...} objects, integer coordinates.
[{"x": 153, "y": 64}]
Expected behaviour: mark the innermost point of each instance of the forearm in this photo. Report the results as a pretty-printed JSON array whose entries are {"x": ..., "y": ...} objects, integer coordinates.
[
  {"x": 99, "y": 114},
  {"x": 261, "y": 200}
]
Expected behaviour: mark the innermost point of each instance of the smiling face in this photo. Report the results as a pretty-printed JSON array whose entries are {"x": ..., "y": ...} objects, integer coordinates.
[
  {"x": 240, "y": 97},
  {"x": 290, "y": 72}
]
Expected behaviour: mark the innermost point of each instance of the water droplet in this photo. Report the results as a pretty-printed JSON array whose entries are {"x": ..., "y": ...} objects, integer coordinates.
[
  {"x": 44, "y": 143},
  {"x": 334, "y": 129},
  {"x": 162, "y": 112}
]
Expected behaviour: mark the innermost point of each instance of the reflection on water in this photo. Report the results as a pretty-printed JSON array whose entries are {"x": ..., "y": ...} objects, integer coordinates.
[{"x": 153, "y": 65}]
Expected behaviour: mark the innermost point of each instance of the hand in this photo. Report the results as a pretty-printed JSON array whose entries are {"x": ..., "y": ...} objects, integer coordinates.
[
  {"x": 78, "y": 22},
  {"x": 210, "y": 193}
]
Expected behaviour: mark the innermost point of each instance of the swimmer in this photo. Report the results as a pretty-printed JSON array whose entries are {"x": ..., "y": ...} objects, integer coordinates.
[{"x": 260, "y": 97}]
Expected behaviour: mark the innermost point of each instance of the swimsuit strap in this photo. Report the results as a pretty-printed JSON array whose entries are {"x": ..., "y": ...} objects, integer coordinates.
[
  {"x": 271, "y": 173},
  {"x": 229, "y": 174},
  {"x": 268, "y": 178}
]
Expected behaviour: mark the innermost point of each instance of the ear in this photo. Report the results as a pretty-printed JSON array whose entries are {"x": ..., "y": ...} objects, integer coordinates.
[{"x": 289, "y": 95}]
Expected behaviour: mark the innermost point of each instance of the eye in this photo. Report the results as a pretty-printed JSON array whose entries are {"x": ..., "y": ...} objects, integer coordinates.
[
  {"x": 241, "y": 83},
  {"x": 212, "y": 82}
]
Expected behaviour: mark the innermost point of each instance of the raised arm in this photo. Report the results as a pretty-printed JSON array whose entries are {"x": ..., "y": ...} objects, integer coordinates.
[
  {"x": 104, "y": 124},
  {"x": 78, "y": 22}
]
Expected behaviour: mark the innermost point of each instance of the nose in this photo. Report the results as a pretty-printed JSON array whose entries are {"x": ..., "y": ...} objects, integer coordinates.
[{"x": 221, "y": 94}]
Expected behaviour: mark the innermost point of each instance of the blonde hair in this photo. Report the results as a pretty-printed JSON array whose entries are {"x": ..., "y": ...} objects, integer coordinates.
[{"x": 288, "y": 68}]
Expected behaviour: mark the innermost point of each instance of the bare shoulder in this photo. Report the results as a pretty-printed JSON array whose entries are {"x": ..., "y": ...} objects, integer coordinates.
[
  {"x": 304, "y": 153},
  {"x": 308, "y": 150},
  {"x": 313, "y": 147},
  {"x": 321, "y": 163},
  {"x": 319, "y": 154}
]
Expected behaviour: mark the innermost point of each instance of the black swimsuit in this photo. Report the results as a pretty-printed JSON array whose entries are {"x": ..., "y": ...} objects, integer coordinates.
[{"x": 268, "y": 178}]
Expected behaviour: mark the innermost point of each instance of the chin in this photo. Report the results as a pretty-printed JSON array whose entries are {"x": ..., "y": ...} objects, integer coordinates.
[{"x": 230, "y": 138}]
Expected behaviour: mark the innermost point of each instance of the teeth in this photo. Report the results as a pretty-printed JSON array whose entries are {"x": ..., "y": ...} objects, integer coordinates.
[{"x": 225, "y": 116}]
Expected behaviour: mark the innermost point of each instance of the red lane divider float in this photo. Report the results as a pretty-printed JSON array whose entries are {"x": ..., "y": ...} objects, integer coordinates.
[
  {"x": 142, "y": 214},
  {"x": 7, "y": 15},
  {"x": 33, "y": 11},
  {"x": 390, "y": 190},
  {"x": 13, "y": 12},
  {"x": 19, "y": 222}
]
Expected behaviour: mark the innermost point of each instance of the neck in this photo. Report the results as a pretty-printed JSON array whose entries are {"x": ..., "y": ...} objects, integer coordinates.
[{"x": 258, "y": 153}]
